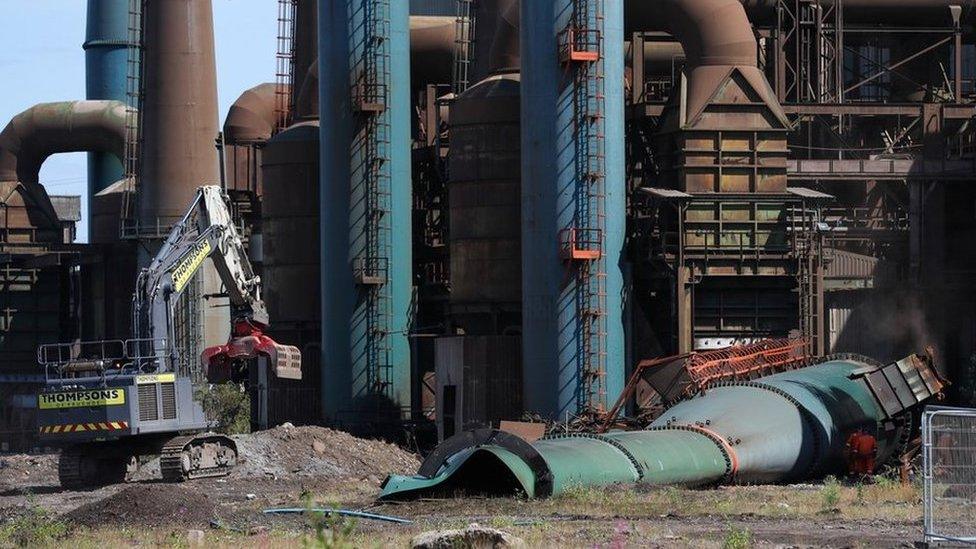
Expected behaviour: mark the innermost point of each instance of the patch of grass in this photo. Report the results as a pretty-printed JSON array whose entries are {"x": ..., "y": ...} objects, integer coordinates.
[
  {"x": 737, "y": 538},
  {"x": 38, "y": 527},
  {"x": 885, "y": 482},
  {"x": 332, "y": 530},
  {"x": 830, "y": 494}
]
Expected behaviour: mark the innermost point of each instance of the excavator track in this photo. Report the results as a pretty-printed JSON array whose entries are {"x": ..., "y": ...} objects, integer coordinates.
[
  {"x": 197, "y": 456},
  {"x": 69, "y": 469},
  {"x": 78, "y": 467}
]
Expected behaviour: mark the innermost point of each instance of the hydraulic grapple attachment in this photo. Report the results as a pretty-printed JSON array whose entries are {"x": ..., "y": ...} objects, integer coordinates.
[{"x": 227, "y": 362}]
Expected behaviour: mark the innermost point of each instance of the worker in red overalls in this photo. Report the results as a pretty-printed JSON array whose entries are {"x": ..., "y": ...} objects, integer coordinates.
[{"x": 861, "y": 451}]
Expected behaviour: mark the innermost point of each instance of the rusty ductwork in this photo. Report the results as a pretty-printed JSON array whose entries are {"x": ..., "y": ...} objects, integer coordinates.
[
  {"x": 250, "y": 123},
  {"x": 717, "y": 38},
  {"x": 51, "y": 128},
  {"x": 252, "y": 117},
  {"x": 722, "y": 90}
]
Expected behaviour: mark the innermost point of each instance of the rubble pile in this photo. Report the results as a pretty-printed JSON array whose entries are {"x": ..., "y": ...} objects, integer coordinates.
[{"x": 311, "y": 451}]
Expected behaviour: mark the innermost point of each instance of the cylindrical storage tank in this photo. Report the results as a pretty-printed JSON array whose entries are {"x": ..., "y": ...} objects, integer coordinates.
[
  {"x": 106, "y": 72},
  {"x": 290, "y": 221},
  {"x": 485, "y": 235},
  {"x": 179, "y": 109},
  {"x": 560, "y": 367}
]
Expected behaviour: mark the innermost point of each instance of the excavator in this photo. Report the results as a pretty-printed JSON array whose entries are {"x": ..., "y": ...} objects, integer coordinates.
[{"x": 107, "y": 404}]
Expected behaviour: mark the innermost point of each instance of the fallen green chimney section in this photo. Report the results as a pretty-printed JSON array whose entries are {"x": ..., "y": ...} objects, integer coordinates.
[{"x": 779, "y": 428}]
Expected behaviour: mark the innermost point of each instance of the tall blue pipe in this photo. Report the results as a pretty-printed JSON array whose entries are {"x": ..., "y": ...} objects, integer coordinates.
[
  {"x": 349, "y": 388},
  {"x": 106, "y": 69},
  {"x": 550, "y": 181}
]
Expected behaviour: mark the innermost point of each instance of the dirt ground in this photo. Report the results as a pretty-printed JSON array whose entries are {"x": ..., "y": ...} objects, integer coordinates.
[{"x": 292, "y": 467}]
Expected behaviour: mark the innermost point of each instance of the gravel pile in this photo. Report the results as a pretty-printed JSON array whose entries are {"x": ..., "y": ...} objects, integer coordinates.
[{"x": 310, "y": 451}]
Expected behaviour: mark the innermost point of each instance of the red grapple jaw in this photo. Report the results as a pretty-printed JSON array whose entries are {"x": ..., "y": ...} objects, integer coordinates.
[{"x": 285, "y": 360}]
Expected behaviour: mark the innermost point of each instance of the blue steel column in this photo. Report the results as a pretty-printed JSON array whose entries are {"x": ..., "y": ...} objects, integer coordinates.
[
  {"x": 550, "y": 183},
  {"x": 106, "y": 68},
  {"x": 401, "y": 240},
  {"x": 616, "y": 200},
  {"x": 347, "y": 381}
]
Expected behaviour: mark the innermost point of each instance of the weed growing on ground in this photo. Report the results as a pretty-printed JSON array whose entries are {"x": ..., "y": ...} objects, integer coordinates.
[
  {"x": 829, "y": 494},
  {"x": 332, "y": 530},
  {"x": 737, "y": 538},
  {"x": 37, "y": 527}
]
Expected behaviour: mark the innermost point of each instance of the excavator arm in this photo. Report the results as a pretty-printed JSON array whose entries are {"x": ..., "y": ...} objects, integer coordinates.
[{"x": 208, "y": 231}]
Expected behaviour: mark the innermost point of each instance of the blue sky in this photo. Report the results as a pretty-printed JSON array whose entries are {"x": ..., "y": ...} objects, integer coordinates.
[{"x": 41, "y": 60}]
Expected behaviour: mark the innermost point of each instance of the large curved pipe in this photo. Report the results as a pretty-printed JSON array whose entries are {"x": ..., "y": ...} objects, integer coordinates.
[
  {"x": 717, "y": 37},
  {"x": 51, "y": 128},
  {"x": 251, "y": 119},
  {"x": 716, "y": 32}
]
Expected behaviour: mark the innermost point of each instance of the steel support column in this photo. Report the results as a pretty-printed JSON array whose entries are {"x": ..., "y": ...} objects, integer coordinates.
[{"x": 556, "y": 141}]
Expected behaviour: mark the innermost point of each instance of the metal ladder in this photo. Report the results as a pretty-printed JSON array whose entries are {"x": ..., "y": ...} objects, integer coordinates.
[
  {"x": 285, "y": 63},
  {"x": 133, "y": 112},
  {"x": 464, "y": 36},
  {"x": 808, "y": 251},
  {"x": 372, "y": 90},
  {"x": 581, "y": 48}
]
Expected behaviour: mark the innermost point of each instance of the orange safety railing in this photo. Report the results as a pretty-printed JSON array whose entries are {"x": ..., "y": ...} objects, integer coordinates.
[
  {"x": 579, "y": 45},
  {"x": 741, "y": 362},
  {"x": 583, "y": 244},
  {"x": 764, "y": 357}
]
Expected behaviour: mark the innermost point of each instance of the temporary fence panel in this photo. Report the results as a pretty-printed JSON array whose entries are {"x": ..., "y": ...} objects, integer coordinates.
[{"x": 949, "y": 474}]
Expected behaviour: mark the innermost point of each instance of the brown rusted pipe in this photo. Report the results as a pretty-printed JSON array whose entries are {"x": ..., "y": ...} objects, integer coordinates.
[
  {"x": 180, "y": 117},
  {"x": 251, "y": 119},
  {"x": 51, "y": 128},
  {"x": 717, "y": 37},
  {"x": 716, "y": 32}
]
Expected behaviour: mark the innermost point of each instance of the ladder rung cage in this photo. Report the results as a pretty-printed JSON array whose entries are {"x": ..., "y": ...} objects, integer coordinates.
[
  {"x": 133, "y": 110},
  {"x": 464, "y": 37},
  {"x": 581, "y": 48},
  {"x": 370, "y": 98},
  {"x": 285, "y": 63}
]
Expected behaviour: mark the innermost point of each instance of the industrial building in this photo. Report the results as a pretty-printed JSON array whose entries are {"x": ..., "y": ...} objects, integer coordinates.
[{"x": 468, "y": 211}]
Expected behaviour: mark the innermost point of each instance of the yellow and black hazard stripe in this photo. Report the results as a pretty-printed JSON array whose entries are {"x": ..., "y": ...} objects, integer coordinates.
[{"x": 84, "y": 427}]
